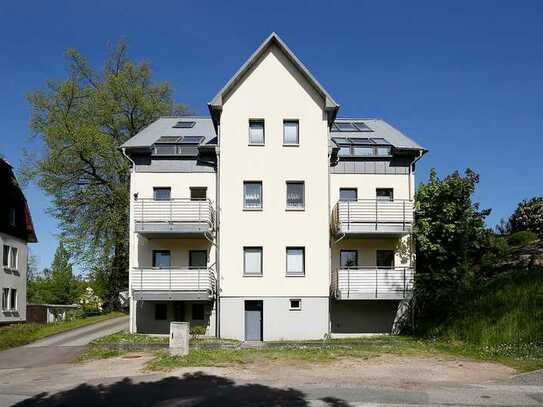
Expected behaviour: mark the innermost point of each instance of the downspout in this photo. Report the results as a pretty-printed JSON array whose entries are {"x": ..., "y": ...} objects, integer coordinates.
[
  {"x": 329, "y": 214},
  {"x": 130, "y": 244},
  {"x": 218, "y": 236}
]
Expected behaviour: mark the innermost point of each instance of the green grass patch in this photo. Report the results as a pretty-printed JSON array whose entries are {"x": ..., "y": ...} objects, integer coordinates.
[
  {"x": 23, "y": 333},
  {"x": 126, "y": 337}
]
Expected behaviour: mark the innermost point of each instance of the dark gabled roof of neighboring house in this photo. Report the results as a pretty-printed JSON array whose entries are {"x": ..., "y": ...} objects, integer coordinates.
[
  {"x": 215, "y": 105},
  {"x": 165, "y": 127},
  {"x": 13, "y": 199}
]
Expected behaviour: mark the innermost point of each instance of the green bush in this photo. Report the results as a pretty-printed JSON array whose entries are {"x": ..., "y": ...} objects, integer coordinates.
[
  {"x": 522, "y": 238},
  {"x": 198, "y": 330}
]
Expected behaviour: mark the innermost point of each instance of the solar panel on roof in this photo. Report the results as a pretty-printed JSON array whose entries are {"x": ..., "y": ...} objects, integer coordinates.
[
  {"x": 184, "y": 125},
  {"x": 192, "y": 140},
  {"x": 345, "y": 126},
  {"x": 361, "y": 126},
  {"x": 168, "y": 139}
]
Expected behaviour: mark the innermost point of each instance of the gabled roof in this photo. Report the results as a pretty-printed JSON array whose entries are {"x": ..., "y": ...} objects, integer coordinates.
[
  {"x": 164, "y": 126},
  {"x": 215, "y": 105}
]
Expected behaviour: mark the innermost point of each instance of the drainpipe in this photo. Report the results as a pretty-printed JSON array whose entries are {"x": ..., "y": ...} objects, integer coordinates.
[
  {"x": 130, "y": 244},
  {"x": 217, "y": 236},
  {"x": 329, "y": 214}
]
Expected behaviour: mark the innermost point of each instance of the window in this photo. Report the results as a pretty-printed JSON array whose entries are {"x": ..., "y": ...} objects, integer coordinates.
[
  {"x": 295, "y": 195},
  {"x": 365, "y": 151},
  {"x": 252, "y": 195},
  {"x": 184, "y": 125},
  {"x": 348, "y": 194},
  {"x": 198, "y": 193},
  {"x": 385, "y": 259},
  {"x": 256, "y": 132},
  {"x": 252, "y": 261},
  {"x": 162, "y": 193},
  {"x": 198, "y": 259},
  {"x": 161, "y": 311},
  {"x": 179, "y": 311},
  {"x": 383, "y": 151},
  {"x": 5, "y": 298},
  {"x": 5, "y": 256},
  {"x": 12, "y": 216},
  {"x": 13, "y": 258},
  {"x": 161, "y": 258},
  {"x": 295, "y": 305},
  {"x": 384, "y": 194},
  {"x": 348, "y": 258},
  {"x": 344, "y": 150},
  {"x": 13, "y": 300},
  {"x": 198, "y": 312},
  {"x": 295, "y": 260},
  {"x": 291, "y": 135}
]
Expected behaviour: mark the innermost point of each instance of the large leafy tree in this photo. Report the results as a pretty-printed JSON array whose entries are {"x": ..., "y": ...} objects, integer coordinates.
[
  {"x": 451, "y": 237},
  {"x": 528, "y": 217},
  {"x": 81, "y": 121}
]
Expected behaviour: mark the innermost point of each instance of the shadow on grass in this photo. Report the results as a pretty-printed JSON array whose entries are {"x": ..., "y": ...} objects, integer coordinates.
[{"x": 196, "y": 389}]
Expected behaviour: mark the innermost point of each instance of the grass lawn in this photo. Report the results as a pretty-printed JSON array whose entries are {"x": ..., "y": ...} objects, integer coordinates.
[
  {"x": 23, "y": 333},
  {"x": 297, "y": 353}
]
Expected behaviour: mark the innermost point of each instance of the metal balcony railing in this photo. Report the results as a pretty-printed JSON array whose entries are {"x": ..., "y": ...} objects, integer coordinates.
[
  {"x": 173, "y": 279},
  {"x": 372, "y": 282},
  {"x": 373, "y": 216},
  {"x": 174, "y": 212}
]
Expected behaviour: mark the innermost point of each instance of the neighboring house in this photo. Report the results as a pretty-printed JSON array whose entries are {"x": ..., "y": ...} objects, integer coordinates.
[
  {"x": 272, "y": 219},
  {"x": 16, "y": 230},
  {"x": 49, "y": 313}
]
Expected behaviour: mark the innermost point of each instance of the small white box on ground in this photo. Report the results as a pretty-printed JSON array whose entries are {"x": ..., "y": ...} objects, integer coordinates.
[{"x": 179, "y": 338}]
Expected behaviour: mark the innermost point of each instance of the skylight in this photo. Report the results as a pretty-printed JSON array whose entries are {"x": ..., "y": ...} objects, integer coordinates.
[
  {"x": 345, "y": 126},
  {"x": 184, "y": 125},
  {"x": 362, "y": 126},
  {"x": 191, "y": 140},
  {"x": 351, "y": 126},
  {"x": 168, "y": 140}
]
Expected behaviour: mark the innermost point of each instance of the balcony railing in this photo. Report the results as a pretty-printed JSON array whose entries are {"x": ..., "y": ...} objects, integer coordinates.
[
  {"x": 179, "y": 215},
  {"x": 366, "y": 283},
  {"x": 369, "y": 216},
  {"x": 173, "y": 283}
]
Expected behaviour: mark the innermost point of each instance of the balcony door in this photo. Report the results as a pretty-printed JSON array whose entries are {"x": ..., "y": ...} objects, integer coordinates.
[
  {"x": 385, "y": 259},
  {"x": 198, "y": 259}
]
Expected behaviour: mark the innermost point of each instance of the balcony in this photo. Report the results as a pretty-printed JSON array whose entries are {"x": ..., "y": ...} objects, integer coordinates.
[
  {"x": 181, "y": 284},
  {"x": 181, "y": 217},
  {"x": 367, "y": 283},
  {"x": 371, "y": 217}
]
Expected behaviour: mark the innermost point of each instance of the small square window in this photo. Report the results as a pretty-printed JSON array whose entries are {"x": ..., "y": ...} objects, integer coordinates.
[
  {"x": 348, "y": 194},
  {"x": 295, "y": 304},
  {"x": 252, "y": 195},
  {"x": 348, "y": 258},
  {"x": 13, "y": 300},
  {"x": 295, "y": 195},
  {"x": 161, "y": 311},
  {"x": 384, "y": 194},
  {"x": 162, "y": 193},
  {"x": 252, "y": 261},
  {"x": 198, "y": 193},
  {"x": 291, "y": 136},
  {"x": 5, "y": 256},
  {"x": 13, "y": 258},
  {"x": 197, "y": 312},
  {"x": 296, "y": 261},
  {"x": 256, "y": 132},
  {"x": 162, "y": 259}
]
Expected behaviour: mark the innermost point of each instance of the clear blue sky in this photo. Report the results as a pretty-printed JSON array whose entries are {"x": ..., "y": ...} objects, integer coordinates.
[{"x": 463, "y": 78}]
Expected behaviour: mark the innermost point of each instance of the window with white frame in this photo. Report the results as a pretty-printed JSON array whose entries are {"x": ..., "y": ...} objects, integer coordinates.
[
  {"x": 295, "y": 195},
  {"x": 384, "y": 194},
  {"x": 5, "y": 298},
  {"x": 5, "y": 256},
  {"x": 291, "y": 134},
  {"x": 252, "y": 261},
  {"x": 14, "y": 258},
  {"x": 13, "y": 299},
  {"x": 296, "y": 261},
  {"x": 295, "y": 304},
  {"x": 162, "y": 193},
  {"x": 252, "y": 195},
  {"x": 256, "y": 132}
]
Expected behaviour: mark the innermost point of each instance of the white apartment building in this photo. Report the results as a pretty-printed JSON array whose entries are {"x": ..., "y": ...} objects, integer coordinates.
[
  {"x": 273, "y": 218},
  {"x": 16, "y": 230}
]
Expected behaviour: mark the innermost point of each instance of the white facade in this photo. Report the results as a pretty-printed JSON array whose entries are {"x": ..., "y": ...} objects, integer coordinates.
[
  {"x": 13, "y": 279},
  {"x": 277, "y": 270}
]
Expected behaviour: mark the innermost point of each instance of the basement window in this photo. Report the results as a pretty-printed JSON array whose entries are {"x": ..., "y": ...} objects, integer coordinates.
[{"x": 295, "y": 304}]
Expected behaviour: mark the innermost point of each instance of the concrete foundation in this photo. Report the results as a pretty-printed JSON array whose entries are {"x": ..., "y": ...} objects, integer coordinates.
[{"x": 363, "y": 317}]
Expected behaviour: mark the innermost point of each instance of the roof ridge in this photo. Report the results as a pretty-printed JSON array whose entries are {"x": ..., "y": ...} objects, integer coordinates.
[{"x": 185, "y": 117}]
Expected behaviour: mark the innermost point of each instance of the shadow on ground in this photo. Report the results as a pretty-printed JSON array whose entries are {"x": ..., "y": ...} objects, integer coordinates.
[{"x": 196, "y": 389}]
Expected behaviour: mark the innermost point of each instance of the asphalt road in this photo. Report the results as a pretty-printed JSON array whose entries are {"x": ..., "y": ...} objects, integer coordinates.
[{"x": 61, "y": 348}]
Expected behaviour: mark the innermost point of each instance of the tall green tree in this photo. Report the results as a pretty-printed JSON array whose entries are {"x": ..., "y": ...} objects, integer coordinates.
[
  {"x": 63, "y": 286},
  {"x": 450, "y": 236},
  {"x": 81, "y": 122},
  {"x": 528, "y": 216}
]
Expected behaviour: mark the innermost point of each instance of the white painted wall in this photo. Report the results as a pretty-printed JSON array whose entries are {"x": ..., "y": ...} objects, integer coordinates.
[
  {"x": 14, "y": 279},
  {"x": 274, "y": 91}
]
